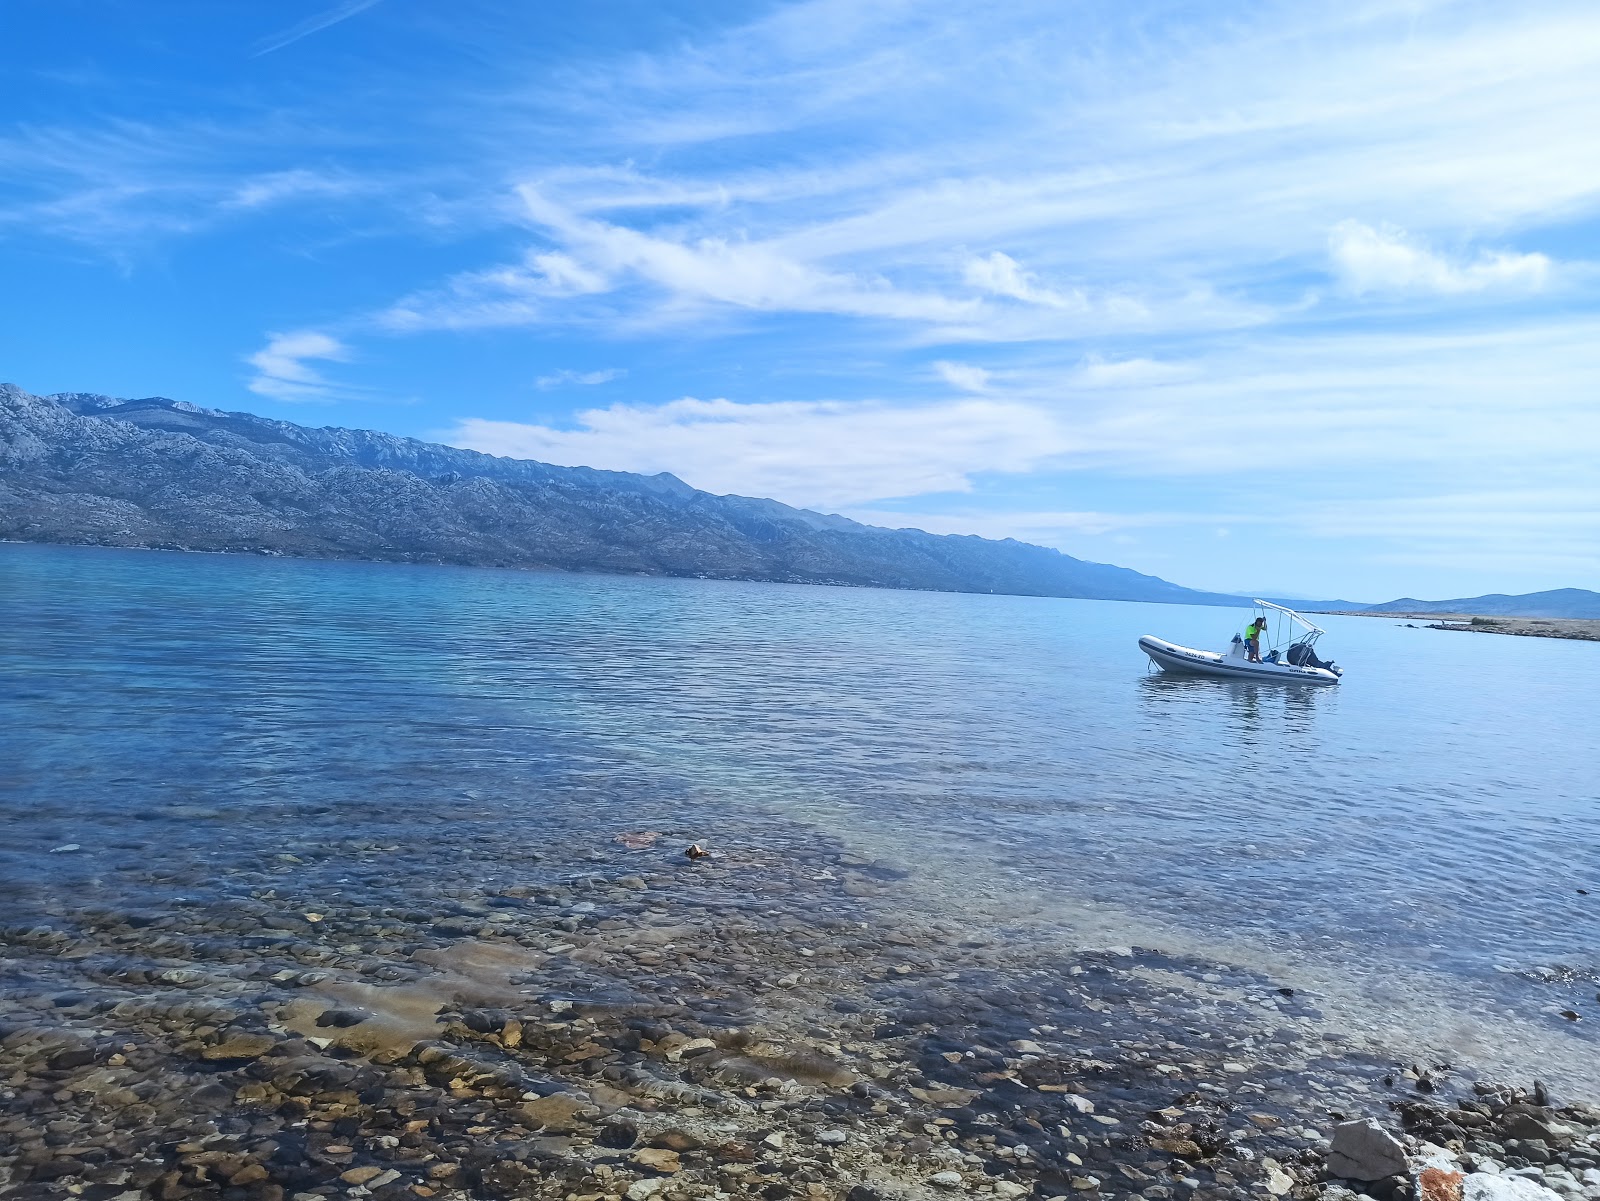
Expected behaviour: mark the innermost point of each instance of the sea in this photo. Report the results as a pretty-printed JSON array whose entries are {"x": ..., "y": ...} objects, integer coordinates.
[{"x": 1417, "y": 848}]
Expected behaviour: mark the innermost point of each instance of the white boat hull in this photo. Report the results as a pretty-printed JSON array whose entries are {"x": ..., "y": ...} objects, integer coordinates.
[{"x": 1183, "y": 660}]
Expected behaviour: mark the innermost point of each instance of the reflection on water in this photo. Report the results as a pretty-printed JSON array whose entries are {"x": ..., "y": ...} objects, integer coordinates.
[{"x": 1424, "y": 828}]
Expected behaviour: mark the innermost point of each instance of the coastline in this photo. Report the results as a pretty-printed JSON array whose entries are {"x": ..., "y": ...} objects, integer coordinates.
[
  {"x": 1578, "y": 629},
  {"x": 610, "y": 1019}
]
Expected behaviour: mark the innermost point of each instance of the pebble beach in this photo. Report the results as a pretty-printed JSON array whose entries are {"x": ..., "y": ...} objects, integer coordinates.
[{"x": 495, "y": 1017}]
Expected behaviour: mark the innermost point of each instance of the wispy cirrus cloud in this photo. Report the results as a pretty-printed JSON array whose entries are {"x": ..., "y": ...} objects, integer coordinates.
[
  {"x": 129, "y": 187},
  {"x": 583, "y": 379},
  {"x": 284, "y": 371},
  {"x": 315, "y": 23},
  {"x": 672, "y": 280},
  {"x": 298, "y": 183}
]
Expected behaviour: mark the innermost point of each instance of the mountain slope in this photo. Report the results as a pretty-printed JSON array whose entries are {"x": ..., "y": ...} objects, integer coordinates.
[
  {"x": 82, "y": 468},
  {"x": 1558, "y": 602}
]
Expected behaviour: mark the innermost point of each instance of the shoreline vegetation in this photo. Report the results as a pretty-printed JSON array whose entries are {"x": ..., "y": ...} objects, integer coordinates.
[
  {"x": 612, "y": 1020},
  {"x": 1577, "y": 629}
]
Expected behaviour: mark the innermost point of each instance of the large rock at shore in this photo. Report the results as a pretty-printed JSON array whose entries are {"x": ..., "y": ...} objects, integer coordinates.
[
  {"x": 1364, "y": 1150},
  {"x": 1482, "y": 1186}
]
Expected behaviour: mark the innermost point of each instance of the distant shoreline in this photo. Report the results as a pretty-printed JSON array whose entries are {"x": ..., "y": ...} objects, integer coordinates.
[{"x": 1580, "y": 629}]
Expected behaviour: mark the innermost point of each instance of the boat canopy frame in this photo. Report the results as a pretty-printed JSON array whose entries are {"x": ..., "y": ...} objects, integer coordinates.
[{"x": 1287, "y": 620}]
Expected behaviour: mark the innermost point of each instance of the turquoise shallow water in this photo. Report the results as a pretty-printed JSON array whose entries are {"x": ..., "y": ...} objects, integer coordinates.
[{"x": 1409, "y": 845}]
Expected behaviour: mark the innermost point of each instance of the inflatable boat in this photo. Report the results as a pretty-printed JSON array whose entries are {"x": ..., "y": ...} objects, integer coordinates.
[{"x": 1287, "y": 655}]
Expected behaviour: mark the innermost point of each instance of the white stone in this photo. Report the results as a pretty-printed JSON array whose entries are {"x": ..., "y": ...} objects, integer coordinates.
[
  {"x": 1278, "y": 1181},
  {"x": 1010, "y": 1189},
  {"x": 643, "y": 1190},
  {"x": 945, "y": 1180},
  {"x": 1428, "y": 1155},
  {"x": 1480, "y": 1186},
  {"x": 832, "y": 1137}
]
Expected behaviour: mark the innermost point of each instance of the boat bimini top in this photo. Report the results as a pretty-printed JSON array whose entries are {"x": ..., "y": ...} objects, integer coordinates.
[{"x": 1288, "y": 653}]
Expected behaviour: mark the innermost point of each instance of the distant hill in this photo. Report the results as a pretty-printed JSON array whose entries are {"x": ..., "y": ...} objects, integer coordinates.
[
  {"x": 1316, "y": 606},
  {"x": 1558, "y": 602},
  {"x": 83, "y": 468}
]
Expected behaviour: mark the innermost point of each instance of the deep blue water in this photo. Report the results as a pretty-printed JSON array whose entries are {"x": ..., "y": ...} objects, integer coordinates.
[{"x": 1414, "y": 840}]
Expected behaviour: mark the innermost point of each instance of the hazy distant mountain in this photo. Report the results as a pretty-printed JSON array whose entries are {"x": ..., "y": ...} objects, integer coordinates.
[
  {"x": 1305, "y": 605},
  {"x": 1558, "y": 602},
  {"x": 80, "y": 468}
]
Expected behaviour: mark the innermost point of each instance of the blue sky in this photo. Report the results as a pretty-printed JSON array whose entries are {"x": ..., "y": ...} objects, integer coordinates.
[{"x": 1251, "y": 296}]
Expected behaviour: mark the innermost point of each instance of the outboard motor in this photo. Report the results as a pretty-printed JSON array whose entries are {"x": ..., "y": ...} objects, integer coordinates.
[{"x": 1301, "y": 655}]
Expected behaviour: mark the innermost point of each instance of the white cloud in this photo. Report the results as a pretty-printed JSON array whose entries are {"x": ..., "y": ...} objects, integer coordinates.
[
  {"x": 814, "y": 453},
  {"x": 962, "y": 375},
  {"x": 1390, "y": 260},
  {"x": 282, "y": 372},
  {"x": 583, "y": 379},
  {"x": 1001, "y": 275}
]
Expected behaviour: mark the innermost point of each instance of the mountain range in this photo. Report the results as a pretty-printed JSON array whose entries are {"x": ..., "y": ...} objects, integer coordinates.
[{"x": 83, "y": 468}]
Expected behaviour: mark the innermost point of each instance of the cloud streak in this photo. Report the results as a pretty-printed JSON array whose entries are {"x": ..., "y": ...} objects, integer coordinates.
[
  {"x": 582, "y": 379},
  {"x": 313, "y": 24}
]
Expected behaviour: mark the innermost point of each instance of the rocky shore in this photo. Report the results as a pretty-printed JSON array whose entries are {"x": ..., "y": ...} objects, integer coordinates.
[
  {"x": 1525, "y": 627},
  {"x": 343, "y": 1017},
  {"x": 1578, "y": 629}
]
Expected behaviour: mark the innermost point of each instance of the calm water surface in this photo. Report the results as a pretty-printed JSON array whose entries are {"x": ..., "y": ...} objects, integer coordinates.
[{"x": 1410, "y": 845}]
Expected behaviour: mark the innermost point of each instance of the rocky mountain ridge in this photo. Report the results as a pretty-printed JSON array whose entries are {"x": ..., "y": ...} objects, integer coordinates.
[{"x": 89, "y": 469}]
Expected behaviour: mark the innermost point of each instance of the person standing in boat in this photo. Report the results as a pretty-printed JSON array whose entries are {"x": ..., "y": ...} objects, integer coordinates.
[{"x": 1252, "y": 638}]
